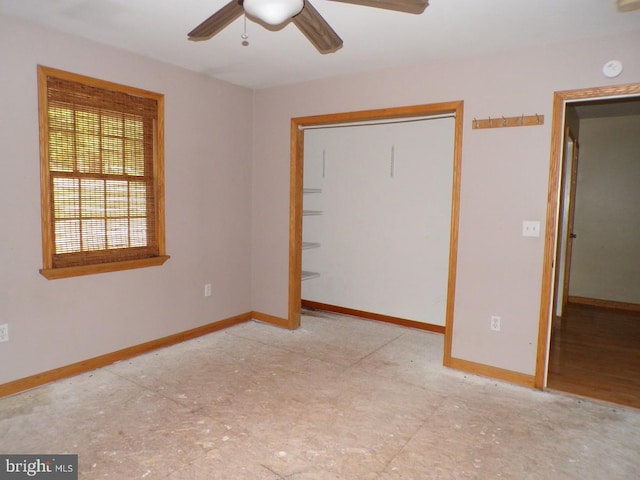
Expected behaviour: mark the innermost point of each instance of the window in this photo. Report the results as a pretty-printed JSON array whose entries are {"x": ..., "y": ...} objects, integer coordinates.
[{"x": 101, "y": 149}]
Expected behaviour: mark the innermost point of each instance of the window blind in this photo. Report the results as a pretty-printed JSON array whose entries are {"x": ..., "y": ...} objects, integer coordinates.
[{"x": 101, "y": 174}]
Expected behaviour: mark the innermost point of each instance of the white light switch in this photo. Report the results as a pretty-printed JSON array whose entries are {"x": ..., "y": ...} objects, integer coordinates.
[{"x": 530, "y": 228}]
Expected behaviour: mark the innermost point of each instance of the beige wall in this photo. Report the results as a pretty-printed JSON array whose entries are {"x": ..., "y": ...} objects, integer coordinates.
[
  {"x": 227, "y": 169},
  {"x": 504, "y": 177},
  {"x": 606, "y": 253},
  {"x": 208, "y": 180}
]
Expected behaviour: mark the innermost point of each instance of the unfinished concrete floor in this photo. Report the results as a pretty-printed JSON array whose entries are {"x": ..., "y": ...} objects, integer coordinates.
[{"x": 340, "y": 398}]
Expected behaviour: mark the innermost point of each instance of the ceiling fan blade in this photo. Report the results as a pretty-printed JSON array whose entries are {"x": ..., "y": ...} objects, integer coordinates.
[
  {"x": 217, "y": 21},
  {"x": 316, "y": 29},
  {"x": 406, "y": 6}
]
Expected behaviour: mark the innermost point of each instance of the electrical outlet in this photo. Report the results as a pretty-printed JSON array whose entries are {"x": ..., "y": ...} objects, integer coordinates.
[
  {"x": 496, "y": 323},
  {"x": 207, "y": 289},
  {"x": 530, "y": 228},
  {"x": 4, "y": 332}
]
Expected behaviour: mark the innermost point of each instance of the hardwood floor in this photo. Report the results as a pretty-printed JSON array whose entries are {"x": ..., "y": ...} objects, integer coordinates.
[{"x": 595, "y": 352}]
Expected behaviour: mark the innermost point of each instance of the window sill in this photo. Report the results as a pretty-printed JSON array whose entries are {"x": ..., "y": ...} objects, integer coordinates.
[{"x": 66, "y": 272}]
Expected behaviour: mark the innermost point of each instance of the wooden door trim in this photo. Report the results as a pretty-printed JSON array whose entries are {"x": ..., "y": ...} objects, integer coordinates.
[
  {"x": 561, "y": 220},
  {"x": 573, "y": 185},
  {"x": 562, "y": 244},
  {"x": 296, "y": 186},
  {"x": 551, "y": 229}
]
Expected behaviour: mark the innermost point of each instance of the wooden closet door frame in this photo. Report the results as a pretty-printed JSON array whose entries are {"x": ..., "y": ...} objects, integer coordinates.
[{"x": 296, "y": 194}]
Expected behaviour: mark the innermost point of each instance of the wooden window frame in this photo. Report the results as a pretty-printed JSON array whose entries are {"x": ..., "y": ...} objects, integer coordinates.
[{"x": 51, "y": 271}]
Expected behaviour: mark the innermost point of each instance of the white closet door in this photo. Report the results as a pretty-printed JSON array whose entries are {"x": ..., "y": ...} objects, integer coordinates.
[{"x": 386, "y": 202}]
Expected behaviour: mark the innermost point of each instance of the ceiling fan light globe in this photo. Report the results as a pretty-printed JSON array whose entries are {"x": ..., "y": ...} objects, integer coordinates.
[
  {"x": 273, "y": 12},
  {"x": 628, "y": 5}
]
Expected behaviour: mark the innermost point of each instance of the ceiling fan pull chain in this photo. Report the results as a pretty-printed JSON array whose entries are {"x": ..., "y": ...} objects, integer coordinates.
[{"x": 245, "y": 42}]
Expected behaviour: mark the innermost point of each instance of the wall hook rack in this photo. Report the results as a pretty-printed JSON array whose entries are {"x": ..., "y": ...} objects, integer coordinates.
[{"x": 520, "y": 121}]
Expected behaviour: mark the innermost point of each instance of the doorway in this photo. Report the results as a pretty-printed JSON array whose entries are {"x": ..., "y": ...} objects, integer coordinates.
[
  {"x": 296, "y": 196},
  {"x": 576, "y": 329}
]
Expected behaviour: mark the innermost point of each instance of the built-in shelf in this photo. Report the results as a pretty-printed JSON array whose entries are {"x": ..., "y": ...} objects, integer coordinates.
[{"x": 306, "y": 275}]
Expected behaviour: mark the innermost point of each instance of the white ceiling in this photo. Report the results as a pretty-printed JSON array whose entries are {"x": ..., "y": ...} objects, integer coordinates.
[{"x": 373, "y": 38}]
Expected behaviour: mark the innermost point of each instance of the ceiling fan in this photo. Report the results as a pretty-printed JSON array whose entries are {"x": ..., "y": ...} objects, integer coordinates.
[{"x": 300, "y": 12}]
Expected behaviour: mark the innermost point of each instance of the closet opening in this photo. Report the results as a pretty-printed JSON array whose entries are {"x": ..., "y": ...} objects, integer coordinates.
[{"x": 393, "y": 168}]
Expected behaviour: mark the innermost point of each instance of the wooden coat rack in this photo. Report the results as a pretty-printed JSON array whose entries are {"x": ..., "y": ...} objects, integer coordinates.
[{"x": 501, "y": 122}]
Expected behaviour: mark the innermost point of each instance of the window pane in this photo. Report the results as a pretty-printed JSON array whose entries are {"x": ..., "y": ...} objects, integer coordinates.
[
  {"x": 137, "y": 199},
  {"x": 88, "y": 153},
  {"x": 61, "y": 151},
  {"x": 66, "y": 198},
  {"x": 67, "y": 236},
  {"x": 112, "y": 124},
  {"x": 138, "y": 232},
  {"x": 112, "y": 156},
  {"x": 87, "y": 122},
  {"x": 93, "y": 198},
  {"x": 61, "y": 138},
  {"x": 118, "y": 232},
  {"x": 60, "y": 116},
  {"x": 93, "y": 235},
  {"x": 133, "y": 127},
  {"x": 117, "y": 198},
  {"x": 134, "y": 157}
]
